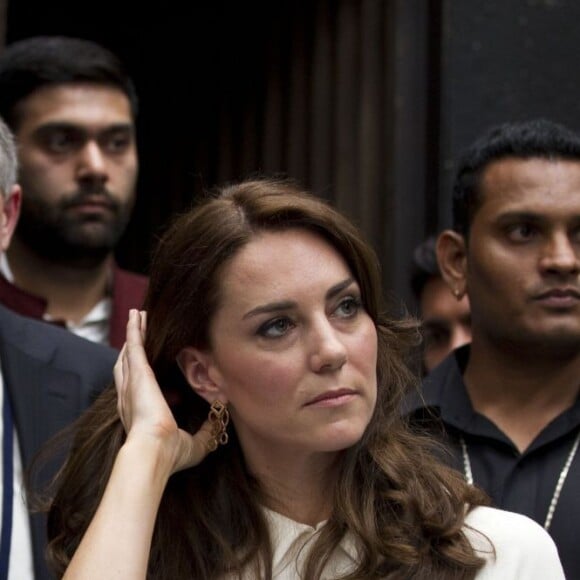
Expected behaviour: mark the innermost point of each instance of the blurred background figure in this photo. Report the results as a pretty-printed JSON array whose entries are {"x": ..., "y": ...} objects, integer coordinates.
[{"x": 446, "y": 319}]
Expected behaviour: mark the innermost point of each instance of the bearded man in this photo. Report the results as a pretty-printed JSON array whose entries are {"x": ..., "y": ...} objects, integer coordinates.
[{"x": 72, "y": 109}]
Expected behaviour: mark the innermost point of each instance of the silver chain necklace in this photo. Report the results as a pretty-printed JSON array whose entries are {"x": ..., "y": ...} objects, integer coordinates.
[{"x": 558, "y": 489}]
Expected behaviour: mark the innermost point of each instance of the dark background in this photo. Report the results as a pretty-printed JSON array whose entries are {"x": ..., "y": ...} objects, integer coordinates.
[
  {"x": 505, "y": 61},
  {"x": 366, "y": 102}
]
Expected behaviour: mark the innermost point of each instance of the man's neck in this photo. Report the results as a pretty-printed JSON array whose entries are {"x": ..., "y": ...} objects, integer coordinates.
[
  {"x": 71, "y": 293},
  {"x": 521, "y": 392}
]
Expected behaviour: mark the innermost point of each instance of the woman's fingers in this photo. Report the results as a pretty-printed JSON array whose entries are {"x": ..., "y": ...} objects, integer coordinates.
[
  {"x": 143, "y": 320},
  {"x": 119, "y": 374},
  {"x": 135, "y": 328},
  {"x": 137, "y": 364},
  {"x": 139, "y": 396}
]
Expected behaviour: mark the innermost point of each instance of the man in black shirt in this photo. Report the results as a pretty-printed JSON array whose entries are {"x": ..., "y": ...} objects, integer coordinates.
[{"x": 508, "y": 404}]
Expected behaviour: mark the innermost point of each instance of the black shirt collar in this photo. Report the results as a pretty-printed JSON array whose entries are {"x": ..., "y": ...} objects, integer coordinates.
[{"x": 443, "y": 394}]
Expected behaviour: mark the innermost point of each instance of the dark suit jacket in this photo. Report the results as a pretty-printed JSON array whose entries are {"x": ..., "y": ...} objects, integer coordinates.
[{"x": 51, "y": 376}]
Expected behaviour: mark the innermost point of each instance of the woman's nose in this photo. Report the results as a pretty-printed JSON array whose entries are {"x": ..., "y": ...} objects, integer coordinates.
[{"x": 328, "y": 350}]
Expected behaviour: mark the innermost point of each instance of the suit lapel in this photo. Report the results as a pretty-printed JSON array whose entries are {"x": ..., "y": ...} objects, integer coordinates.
[{"x": 44, "y": 399}]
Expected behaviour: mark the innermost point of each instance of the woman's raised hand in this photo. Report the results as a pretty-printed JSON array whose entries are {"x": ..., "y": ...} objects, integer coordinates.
[{"x": 143, "y": 409}]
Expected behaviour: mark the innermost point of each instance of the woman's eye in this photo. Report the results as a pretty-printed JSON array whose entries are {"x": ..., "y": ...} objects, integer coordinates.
[
  {"x": 275, "y": 328},
  {"x": 348, "y": 307}
]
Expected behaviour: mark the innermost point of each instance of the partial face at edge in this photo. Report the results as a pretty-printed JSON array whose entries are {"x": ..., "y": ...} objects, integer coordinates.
[
  {"x": 294, "y": 352},
  {"x": 446, "y": 322}
]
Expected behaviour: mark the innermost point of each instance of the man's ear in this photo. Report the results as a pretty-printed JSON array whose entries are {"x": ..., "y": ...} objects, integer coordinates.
[
  {"x": 452, "y": 259},
  {"x": 197, "y": 368},
  {"x": 9, "y": 215}
]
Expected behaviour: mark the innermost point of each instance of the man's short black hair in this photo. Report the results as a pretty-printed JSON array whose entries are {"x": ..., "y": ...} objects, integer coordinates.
[
  {"x": 527, "y": 139},
  {"x": 39, "y": 61},
  {"x": 424, "y": 266}
]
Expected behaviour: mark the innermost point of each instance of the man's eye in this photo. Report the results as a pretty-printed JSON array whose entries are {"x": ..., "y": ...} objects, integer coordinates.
[
  {"x": 60, "y": 142},
  {"x": 275, "y": 328},
  {"x": 117, "y": 143},
  {"x": 521, "y": 232}
]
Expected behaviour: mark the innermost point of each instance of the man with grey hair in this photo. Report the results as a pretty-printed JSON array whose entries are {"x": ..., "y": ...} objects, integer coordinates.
[
  {"x": 10, "y": 191},
  {"x": 48, "y": 377},
  {"x": 8, "y": 161}
]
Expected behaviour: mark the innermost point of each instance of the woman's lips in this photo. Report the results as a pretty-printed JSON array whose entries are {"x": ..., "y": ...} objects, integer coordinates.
[{"x": 333, "y": 398}]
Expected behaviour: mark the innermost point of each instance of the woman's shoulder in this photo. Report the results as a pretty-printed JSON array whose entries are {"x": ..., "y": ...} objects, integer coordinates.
[
  {"x": 513, "y": 545},
  {"x": 503, "y": 524}
]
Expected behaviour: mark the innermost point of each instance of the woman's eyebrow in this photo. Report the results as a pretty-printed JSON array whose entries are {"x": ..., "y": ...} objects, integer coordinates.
[
  {"x": 270, "y": 307},
  {"x": 289, "y": 304},
  {"x": 338, "y": 288}
]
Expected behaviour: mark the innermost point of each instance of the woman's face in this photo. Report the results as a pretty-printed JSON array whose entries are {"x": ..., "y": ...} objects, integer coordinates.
[{"x": 293, "y": 350}]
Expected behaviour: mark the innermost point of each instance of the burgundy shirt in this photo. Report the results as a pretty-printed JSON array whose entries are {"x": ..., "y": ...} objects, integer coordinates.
[{"x": 128, "y": 291}]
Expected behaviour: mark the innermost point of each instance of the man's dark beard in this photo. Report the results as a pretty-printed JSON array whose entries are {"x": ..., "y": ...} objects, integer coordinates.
[{"x": 55, "y": 234}]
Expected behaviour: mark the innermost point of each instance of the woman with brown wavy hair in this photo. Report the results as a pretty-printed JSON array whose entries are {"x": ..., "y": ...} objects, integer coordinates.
[{"x": 264, "y": 307}]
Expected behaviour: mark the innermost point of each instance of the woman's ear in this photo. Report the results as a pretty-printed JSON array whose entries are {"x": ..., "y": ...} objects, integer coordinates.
[
  {"x": 452, "y": 260},
  {"x": 197, "y": 368}
]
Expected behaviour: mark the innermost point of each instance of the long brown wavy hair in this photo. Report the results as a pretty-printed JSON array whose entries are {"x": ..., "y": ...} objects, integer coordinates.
[{"x": 404, "y": 510}]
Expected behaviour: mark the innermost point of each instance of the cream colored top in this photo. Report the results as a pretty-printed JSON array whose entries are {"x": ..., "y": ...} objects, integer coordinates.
[{"x": 523, "y": 549}]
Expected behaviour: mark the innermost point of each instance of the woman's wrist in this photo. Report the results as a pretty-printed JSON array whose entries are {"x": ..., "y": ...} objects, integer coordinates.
[{"x": 147, "y": 457}]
